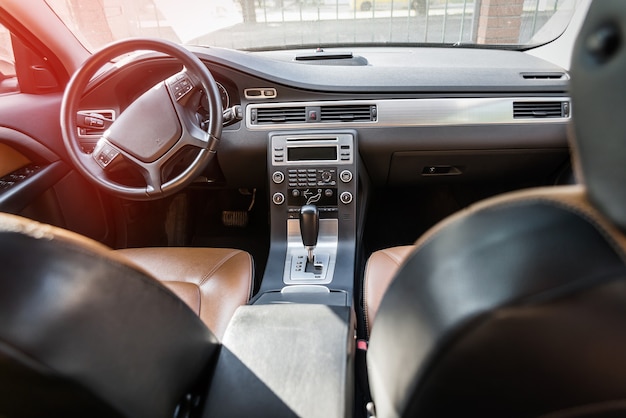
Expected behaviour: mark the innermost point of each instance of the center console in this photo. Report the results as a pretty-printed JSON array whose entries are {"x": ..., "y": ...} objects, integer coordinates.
[
  {"x": 313, "y": 192},
  {"x": 290, "y": 352}
]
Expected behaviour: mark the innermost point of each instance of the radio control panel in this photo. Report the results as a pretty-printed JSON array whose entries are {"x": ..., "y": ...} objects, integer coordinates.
[
  {"x": 317, "y": 169},
  {"x": 312, "y": 149}
]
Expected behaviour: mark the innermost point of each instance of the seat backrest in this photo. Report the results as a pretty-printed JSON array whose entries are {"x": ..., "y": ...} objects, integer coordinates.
[
  {"x": 516, "y": 307},
  {"x": 83, "y": 333}
]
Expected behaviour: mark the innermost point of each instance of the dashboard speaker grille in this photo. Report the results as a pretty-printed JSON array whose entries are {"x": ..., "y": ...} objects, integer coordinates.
[{"x": 547, "y": 109}]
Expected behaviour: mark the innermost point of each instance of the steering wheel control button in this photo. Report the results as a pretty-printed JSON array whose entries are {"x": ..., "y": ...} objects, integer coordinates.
[
  {"x": 346, "y": 198},
  {"x": 278, "y": 198},
  {"x": 104, "y": 154},
  {"x": 181, "y": 86},
  {"x": 278, "y": 177},
  {"x": 346, "y": 176}
]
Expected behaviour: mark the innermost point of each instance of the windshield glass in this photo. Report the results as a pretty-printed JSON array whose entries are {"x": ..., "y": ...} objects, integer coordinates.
[{"x": 281, "y": 24}]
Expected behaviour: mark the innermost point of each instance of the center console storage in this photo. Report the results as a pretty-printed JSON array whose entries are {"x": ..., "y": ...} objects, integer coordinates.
[{"x": 285, "y": 360}]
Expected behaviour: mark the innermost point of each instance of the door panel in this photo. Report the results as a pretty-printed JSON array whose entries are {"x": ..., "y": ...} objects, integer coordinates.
[{"x": 36, "y": 178}]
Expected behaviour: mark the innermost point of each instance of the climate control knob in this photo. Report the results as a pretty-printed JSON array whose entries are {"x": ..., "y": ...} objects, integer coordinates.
[
  {"x": 326, "y": 176},
  {"x": 278, "y": 198},
  {"x": 345, "y": 197}
]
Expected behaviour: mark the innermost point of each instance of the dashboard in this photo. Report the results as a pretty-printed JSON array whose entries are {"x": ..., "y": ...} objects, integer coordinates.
[{"x": 420, "y": 115}]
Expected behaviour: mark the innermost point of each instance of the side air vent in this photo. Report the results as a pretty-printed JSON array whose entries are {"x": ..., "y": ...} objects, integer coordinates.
[
  {"x": 269, "y": 115},
  {"x": 544, "y": 76},
  {"x": 547, "y": 109},
  {"x": 348, "y": 113}
]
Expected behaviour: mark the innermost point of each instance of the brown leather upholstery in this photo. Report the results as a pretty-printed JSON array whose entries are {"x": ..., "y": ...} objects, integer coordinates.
[
  {"x": 213, "y": 282},
  {"x": 380, "y": 270}
]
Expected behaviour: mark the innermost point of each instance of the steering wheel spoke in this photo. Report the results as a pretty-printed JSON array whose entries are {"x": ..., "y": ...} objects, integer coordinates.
[
  {"x": 105, "y": 153},
  {"x": 180, "y": 86},
  {"x": 153, "y": 175},
  {"x": 151, "y": 131}
]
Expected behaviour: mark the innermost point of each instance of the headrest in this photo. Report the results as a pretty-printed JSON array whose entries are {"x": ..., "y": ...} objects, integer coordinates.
[{"x": 598, "y": 89}]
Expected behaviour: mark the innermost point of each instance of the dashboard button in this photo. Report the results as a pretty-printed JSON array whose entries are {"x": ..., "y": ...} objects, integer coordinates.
[
  {"x": 345, "y": 197},
  {"x": 278, "y": 198},
  {"x": 346, "y": 176},
  {"x": 278, "y": 177}
]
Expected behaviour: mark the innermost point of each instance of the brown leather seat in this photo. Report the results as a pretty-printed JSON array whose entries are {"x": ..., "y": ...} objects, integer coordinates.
[
  {"x": 213, "y": 282},
  {"x": 381, "y": 267}
]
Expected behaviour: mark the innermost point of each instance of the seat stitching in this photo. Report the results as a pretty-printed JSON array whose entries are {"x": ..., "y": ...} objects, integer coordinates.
[
  {"x": 219, "y": 265},
  {"x": 197, "y": 290}
]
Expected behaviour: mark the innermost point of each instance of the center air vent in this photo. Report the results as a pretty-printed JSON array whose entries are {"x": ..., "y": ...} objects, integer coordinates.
[
  {"x": 547, "y": 109},
  {"x": 348, "y": 113},
  {"x": 270, "y": 115},
  {"x": 312, "y": 113}
]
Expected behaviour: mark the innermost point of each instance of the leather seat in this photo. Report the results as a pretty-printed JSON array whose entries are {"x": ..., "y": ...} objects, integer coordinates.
[
  {"x": 516, "y": 306},
  {"x": 213, "y": 282},
  {"x": 79, "y": 322},
  {"x": 380, "y": 270}
]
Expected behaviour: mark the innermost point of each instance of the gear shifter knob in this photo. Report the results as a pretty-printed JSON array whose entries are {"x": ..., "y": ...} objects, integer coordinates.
[{"x": 309, "y": 228}]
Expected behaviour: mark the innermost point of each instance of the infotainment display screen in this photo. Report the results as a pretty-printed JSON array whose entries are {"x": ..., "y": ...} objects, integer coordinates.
[{"x": 311, "y": 153}]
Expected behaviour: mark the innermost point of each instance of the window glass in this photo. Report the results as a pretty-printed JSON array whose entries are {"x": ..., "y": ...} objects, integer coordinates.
[
  {"x": 8, "y": 78},
  {"x": 279, "y": 24},
  {"x": 7, "y": 60}
]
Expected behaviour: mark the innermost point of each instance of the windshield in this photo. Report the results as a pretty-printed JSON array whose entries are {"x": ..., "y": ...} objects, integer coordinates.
[{"x": 281, "y": 24}]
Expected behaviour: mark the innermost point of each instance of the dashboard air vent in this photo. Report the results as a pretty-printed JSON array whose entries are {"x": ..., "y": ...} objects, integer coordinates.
[
  {"x": 547, "y": 109},
  {"x": 348, "y": 113},
  {"x": 269, "y": 115},
  {"x": 543, "y": 76}
]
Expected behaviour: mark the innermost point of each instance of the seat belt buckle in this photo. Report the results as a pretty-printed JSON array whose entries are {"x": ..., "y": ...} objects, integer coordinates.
[{"x": 361, "y": 345}]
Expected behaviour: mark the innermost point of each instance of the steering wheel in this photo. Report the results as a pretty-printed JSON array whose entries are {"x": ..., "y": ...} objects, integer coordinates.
[{"x": 152, "y": 131}]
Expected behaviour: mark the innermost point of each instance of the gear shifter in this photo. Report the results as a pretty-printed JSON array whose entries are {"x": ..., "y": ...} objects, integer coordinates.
[{"x": 309, "y": 228}]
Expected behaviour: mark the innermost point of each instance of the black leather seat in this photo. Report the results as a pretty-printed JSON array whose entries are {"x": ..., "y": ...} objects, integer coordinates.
[
  {"x": 87, "y": 331},
  {"x": 516, "y": 307}
]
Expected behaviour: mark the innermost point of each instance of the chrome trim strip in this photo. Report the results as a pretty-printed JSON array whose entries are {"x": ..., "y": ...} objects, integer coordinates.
[
  {"x": 304, "y": 288},
  {"x": 260, "y": 93},
  {"x": 420, "y": 112}
]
